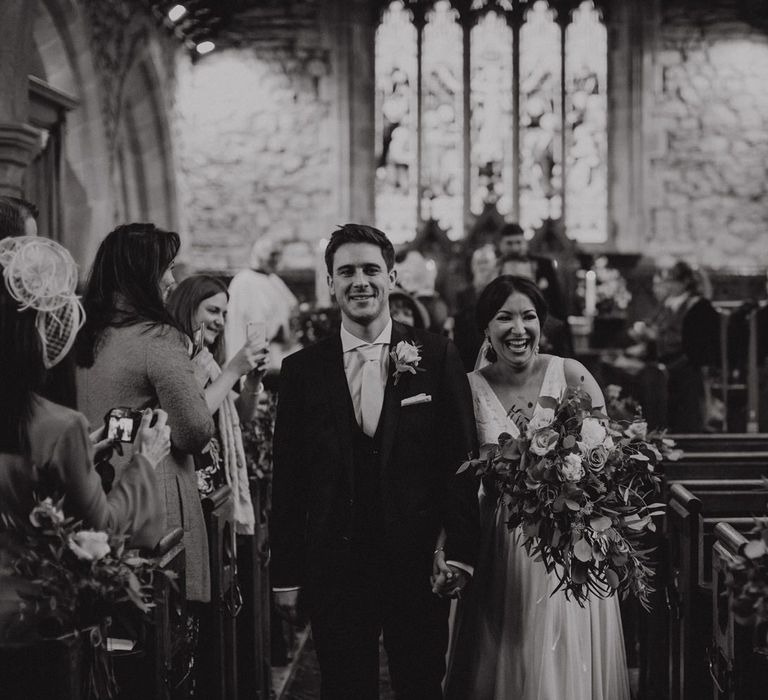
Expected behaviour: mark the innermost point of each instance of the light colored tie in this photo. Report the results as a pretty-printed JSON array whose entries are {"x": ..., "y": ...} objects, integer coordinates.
[{"x": 371, "y": 389}]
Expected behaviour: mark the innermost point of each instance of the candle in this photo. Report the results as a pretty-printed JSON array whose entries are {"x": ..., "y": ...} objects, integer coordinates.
[
  {"x": 322, "y": 293},
  {"x": 590, "y": 293}
]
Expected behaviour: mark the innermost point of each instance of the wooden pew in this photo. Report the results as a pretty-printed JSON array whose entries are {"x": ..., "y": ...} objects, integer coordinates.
[
  {"x": 737, "y": 672},
  {"x": 690, "y": 523},
  {"x": 253, "y": 629},
  {"x": 719, "y": 442},
  {"x": 147, "y": 670},
  {"x": 142, "y": 673},
  {"x": 218, "y": 654}
]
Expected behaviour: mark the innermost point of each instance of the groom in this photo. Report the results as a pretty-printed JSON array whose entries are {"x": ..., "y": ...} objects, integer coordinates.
[{"x": 366, "y": 450}]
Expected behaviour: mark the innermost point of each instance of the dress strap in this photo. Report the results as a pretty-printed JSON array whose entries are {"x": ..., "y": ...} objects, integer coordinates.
[{"x": 554, "y": 384}]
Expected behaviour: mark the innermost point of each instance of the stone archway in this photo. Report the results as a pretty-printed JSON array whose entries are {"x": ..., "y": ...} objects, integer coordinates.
[{"x": 63, "y": 56}]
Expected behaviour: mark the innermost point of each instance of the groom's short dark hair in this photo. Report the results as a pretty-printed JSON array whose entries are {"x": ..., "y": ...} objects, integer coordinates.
[{"x": 359, "y": 233}]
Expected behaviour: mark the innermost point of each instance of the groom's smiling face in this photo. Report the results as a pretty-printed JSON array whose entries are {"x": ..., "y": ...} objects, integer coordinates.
[{"x": 361, "y": 282}]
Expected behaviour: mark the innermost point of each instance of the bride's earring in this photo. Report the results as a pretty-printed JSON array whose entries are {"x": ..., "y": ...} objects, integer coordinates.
[{"x": 490, "y": 353}]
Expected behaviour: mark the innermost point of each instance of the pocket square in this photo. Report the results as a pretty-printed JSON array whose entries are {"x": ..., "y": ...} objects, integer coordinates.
[{"x": 418, "y": 398}]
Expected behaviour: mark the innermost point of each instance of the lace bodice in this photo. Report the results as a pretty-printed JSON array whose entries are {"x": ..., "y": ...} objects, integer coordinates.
[{"x": 490, "y": 416}]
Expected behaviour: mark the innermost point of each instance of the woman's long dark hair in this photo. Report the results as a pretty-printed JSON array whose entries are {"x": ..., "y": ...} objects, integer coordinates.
[
  {"x": 185, "y": 300},
  {"x": 123, "y": 287},
  {"x": 21, "y": 353}
]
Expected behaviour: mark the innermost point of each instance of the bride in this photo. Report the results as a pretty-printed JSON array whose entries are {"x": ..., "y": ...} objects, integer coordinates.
[{"x": 513, "y": 639}]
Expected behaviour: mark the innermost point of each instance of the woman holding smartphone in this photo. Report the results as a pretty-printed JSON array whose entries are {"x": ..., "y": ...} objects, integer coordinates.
[
  {"x": 200, "y": 302},
  {"x": 132, "y": 353}
]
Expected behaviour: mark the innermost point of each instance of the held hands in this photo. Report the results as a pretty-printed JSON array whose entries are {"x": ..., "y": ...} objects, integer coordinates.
[
  {"x": 447, "y": 580},
  {"x": 153, "y": 441}
]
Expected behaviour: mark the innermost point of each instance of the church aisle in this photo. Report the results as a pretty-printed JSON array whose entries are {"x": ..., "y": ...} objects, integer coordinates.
[{"x": 304, "y": 682}]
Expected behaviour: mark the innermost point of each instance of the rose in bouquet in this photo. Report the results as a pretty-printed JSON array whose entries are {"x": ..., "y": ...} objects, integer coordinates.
[
  {"x": 747, "y": 582},
  {"x": 584, "y": 491}
]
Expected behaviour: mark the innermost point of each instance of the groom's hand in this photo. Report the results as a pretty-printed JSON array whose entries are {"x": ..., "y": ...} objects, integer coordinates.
[{"x": 447, "y": 580}]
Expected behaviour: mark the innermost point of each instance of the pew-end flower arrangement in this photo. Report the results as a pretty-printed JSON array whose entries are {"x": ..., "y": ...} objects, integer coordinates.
[
  {"x": 747, "y": 582},
  {"x": 584, "y": 491},
  {"x": 74, "y": 581}
]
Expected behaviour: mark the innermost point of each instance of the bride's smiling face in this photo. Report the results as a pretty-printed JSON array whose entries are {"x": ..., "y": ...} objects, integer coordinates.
[{"x": 514, "y": 331}]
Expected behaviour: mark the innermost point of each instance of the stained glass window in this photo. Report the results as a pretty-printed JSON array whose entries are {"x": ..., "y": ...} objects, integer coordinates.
[
  {"x": 540, "y": 126},
  {"x": 586, "y": 107},
  {"x": 491, "y": 160},
  {"x": 442, "y": 119},
  {"x": 396, "y": 128},
  {"x": 499, "y": 102}
]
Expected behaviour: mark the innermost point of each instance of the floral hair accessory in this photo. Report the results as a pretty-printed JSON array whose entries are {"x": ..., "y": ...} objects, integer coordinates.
[
  {"x": 406, "y": 357},
  {"x": 40, "y": 274}
]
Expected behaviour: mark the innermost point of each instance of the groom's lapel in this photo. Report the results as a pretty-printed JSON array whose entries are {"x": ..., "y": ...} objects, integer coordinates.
[
  {"x": 340, "y": 400},
  {"x": 390, "y": 412}
]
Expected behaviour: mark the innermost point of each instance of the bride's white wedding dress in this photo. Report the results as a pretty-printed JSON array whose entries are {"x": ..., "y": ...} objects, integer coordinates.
[{"x": 512, "y": 640}]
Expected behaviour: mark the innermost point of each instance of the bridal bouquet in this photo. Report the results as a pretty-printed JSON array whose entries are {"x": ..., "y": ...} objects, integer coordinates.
[
  {"x": 584, "y": 490},
  {"x": 74, "y": 581}
]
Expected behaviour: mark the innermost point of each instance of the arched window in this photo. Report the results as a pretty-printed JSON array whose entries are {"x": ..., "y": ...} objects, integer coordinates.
[{"x": 499, "y": 102}]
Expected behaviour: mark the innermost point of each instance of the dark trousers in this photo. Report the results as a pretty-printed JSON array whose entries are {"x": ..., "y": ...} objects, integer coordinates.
[
  {"x": 352, "y": 604},
  {"x": 686, "y": 399}
]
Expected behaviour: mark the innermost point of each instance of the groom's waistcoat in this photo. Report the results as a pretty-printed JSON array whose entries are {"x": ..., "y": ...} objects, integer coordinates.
[{"x": 366, "y": 519}]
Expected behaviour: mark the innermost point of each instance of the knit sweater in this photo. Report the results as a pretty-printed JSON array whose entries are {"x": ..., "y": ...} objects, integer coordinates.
[{"x": 140, "y": 366}]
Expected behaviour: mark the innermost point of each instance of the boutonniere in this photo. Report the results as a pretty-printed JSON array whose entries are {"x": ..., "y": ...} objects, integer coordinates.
[{"x": 406, "y": 357}]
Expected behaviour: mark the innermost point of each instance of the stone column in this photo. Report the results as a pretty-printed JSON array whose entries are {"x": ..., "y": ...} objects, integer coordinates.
[
  {"x": 19, "y": 141},
  {"x": 352, "y": 26},
  {"x": 630, "y": 43}
]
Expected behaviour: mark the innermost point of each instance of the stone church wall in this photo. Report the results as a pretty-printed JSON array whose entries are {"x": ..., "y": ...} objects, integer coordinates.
[
  {"x": 256, "y": 151},
  {"x": 707, "y": 179}
]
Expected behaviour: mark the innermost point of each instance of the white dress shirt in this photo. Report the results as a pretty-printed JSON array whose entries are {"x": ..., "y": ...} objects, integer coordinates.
[{"x": 354, "y": 361}]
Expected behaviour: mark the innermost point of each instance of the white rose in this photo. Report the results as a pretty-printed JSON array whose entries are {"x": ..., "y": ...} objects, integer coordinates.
[
  {"x": 592, "y": 433},
  {"x": 572, "y": 468},
  {"x": 407, "y": 353},
  {"x": 89, "y": 544},
  {"x": 637, "y": 429},
  {"x": 544, "y": 441},
  {"x": 543, "y": 418}
]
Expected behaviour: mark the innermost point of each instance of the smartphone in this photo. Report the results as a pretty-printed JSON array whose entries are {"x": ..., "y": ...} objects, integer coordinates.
[
  {"x": 256, "y": 332},
  {"x": 122, "y": 424},
  {"x": 198, "y": 339}
]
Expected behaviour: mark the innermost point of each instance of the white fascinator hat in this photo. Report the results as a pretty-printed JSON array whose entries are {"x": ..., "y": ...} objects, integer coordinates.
[{"x": 40, "y": 274}]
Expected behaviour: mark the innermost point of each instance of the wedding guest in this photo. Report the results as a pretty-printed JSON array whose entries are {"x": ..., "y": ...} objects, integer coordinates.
[
  {"x": 19, "y": 215},
  {"x": 516, "y": 259},
  {"x": 201, "y": 301},
  {"x": 408, "y": 310},
  {"x": 417, "y": 276},
  {"x": 684, "y": 336},
  {"x": 131, "y": 352},
  {"x": 517, "y": 636},
  {"x": 484, "y": 268},
  {"x": 258, "y": 295},
  {"x": 45, "y": 448}
]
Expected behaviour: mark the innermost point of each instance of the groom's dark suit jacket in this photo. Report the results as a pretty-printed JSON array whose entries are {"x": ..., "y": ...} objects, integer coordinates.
[{"x": 316, "y": 514}]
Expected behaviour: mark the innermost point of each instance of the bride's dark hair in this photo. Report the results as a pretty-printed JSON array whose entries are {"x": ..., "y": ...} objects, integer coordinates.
[{"x": 492, "y": 298}]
